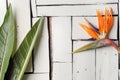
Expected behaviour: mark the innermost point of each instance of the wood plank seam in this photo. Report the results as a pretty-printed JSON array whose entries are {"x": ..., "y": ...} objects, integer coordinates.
[
  {"x": 50, "y": 55},
  {"x": 50, "y": 47}
]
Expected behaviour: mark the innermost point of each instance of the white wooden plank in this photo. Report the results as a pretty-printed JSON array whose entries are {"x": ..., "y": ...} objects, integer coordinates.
[
  {"x": 33, "y": 7},
  {"x": 36, "y": 77},
  {"x": 106, "y": 64},
  {"x": 2, "y": 10},
  {"x": 61, "y": 39},
  {"x": 41, "y": 51},
  {"x": 79, "y": 33},
  {"x": 62, "y": 71},
  {"x": 83, "y": 63},
  {"x": 21, "y": 10},
  {"x": 78, "y": 10},
  {"x": 58, "y": 2},
  {"x": 119, "y": 43},
  {"x": 119, "y": 75}
]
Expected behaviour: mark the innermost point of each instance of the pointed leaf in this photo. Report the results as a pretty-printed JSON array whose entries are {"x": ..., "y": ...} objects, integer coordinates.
[
  {"x": 88, "y": 46},
  {"x": 21, "y": 58},
  {"x": 93, "y": 45},
  {"x": 7, "y": 40}
]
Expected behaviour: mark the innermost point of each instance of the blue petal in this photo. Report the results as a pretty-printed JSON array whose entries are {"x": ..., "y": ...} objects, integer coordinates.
[
  {"x": 90, "y": 39},
  {"x": 96, "y": 29}
]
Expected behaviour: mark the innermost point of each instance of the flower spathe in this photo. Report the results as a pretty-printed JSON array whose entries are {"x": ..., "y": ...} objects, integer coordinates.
[{"x": 100, "y": 34}]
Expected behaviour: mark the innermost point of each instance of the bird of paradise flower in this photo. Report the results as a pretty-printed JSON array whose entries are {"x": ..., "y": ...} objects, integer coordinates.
[{"x": 100, "y": 34}]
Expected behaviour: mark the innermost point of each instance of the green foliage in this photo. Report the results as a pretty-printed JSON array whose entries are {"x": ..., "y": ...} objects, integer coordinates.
[
  {"x": 7, "y": 41},
  {"x": 17, "y": 63}
]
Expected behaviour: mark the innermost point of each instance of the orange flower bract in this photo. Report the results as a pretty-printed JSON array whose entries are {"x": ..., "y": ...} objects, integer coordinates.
[
  {"x": 100, "y": 34},
  {"x": 90, "y": 31},
  {"x": 105, "y": 23}
]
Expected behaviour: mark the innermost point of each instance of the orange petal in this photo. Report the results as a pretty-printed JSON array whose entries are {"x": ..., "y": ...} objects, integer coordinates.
[
  {"x": 91, "y": 25},
  {"x": 106, "y": 20},
  {"x": 111, "y": 20},
  {"x": 103, "y": 25},
  {"x": 90, "y": 31},
  {"x": 100, "y": 21}
]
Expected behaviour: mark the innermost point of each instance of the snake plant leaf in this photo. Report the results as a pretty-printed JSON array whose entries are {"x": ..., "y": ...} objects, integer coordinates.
[
  {"x": 92, "y": 45},
  {"x": 21, "y": 58},
  {"x": 7, "y": 41}
]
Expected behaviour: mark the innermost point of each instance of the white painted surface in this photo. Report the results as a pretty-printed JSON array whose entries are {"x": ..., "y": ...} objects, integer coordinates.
[
  {"x": 83, "y": 63},
  {"x": 55, "y": 2},
  {"x": 2, "y": 10},
  {"x": 33, "y": 6},
  {"x": 106, "y": 64},
  {"x": 80, "y": 33},
  {"x": 21, "y": 10},
  {"x": 119, "y": 75},
  {"x": 41, "y": 50},
  {"x": 62, "y": 71},
  {"x": 36, "y": 77},
  {"x": 77, "y": 10},
  {"x": 61, "y": 39}
]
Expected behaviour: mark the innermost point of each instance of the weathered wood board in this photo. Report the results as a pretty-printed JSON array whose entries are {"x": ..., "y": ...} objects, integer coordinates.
[{"x": 52, "y": 58}]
